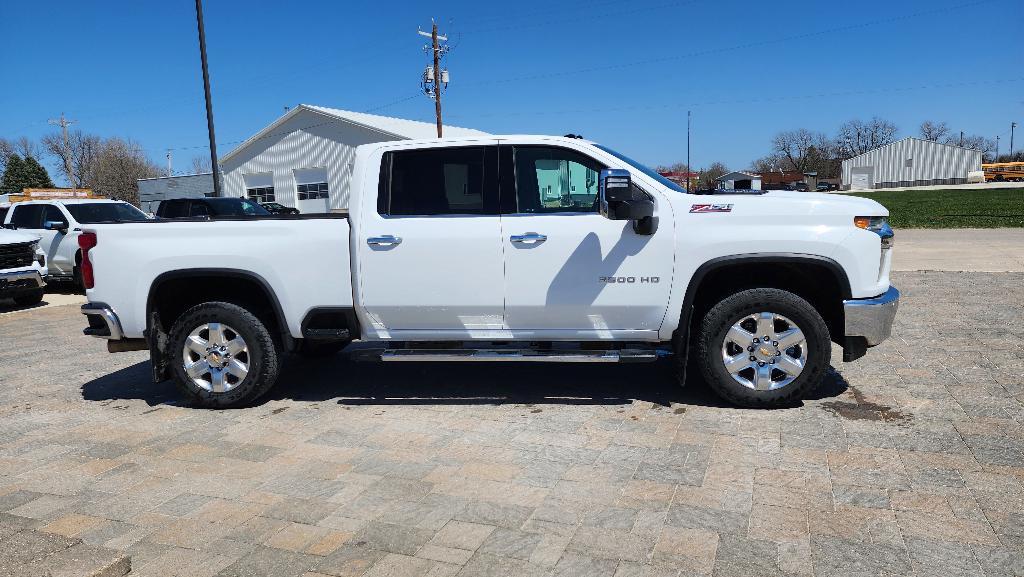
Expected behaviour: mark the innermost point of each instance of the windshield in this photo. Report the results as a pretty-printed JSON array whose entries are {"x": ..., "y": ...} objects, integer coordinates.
[
  {"x": 236, "y": 207},
  {"x": 664, "y": 181},
  {"x": 92, "y": 213}
]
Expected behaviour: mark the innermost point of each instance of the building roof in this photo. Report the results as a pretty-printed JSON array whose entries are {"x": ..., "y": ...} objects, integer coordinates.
[
  {"x": 927, "y": 142},
  {"x": 738, "y": 173},
  {"x": 393, "y": 128}
]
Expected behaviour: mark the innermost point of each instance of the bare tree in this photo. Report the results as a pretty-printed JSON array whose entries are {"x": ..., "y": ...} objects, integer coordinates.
[
  {"x": 987, "y": 146},
  {"x": 933, "y": 131},
  {"x": 709, "y": 174},
  {"x": 79, "y": 158},
  {"x": 674, "y": 167},
  {"x": 201, "y": 165},
  {"x": 773, "y": 162},
  {"x": 23, "y": 147},
  {"x": 117, "y": 167},
  {"x": 803, "y": 150},
  {"x": 857, "y": 137},
  {"x": 28, "y": 148}
]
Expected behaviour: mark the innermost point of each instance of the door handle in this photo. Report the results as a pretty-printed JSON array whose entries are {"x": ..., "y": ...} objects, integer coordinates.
[
  {"x": 384, "y": 240},
  {"x": 530, "y": 237}
]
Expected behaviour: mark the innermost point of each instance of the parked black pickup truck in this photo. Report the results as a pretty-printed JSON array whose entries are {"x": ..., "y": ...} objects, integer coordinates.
[{"x": 209, "y": 208}]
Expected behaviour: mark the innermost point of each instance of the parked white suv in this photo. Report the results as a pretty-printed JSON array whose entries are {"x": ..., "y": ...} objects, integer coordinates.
[
  {"x": 22, "y": 267},
  {"x": 517, "y": 248},
  {"x": 58, "y": 223}
]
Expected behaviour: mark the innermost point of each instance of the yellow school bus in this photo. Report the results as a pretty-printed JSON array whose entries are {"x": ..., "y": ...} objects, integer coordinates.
[{"x": 1002, "y": 171}]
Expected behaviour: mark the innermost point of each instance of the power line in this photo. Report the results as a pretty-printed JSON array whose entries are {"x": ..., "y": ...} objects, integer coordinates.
[
  {"x": 779, "y": 98},
  {"x": 714, "y": 51}
]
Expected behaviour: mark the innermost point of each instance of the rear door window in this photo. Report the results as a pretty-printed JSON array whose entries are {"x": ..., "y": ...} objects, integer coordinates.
[
  {"x": 440, "y": 181},
  {"x": 28, "y": 216}
]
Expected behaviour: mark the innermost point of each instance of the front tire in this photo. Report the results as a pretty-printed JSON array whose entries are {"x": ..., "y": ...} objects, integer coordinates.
[
  {"x": 30, "y": 298},
  {"x": 222, "y": 356},
  {"x": 744, "y": 368}
]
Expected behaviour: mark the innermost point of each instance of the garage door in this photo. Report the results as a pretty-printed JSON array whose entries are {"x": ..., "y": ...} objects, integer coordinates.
[{"x": 860, "y": 181}]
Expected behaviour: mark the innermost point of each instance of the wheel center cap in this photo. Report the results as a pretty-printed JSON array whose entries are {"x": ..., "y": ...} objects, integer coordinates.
[
  {"x": 766, "y": 351},
  {"x": 215, "y": 358}
]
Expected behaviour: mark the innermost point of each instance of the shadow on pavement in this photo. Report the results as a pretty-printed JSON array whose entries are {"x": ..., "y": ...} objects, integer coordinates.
[{"x": 365, "y": 383}]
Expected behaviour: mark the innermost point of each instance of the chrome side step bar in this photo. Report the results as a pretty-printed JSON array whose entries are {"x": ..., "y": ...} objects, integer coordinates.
[{"x": 522, "y": 355}]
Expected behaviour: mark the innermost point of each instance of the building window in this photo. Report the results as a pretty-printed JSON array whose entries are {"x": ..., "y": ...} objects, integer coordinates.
[
  {"x": 312, "y": 191},
  {"x": 260, "y": 194}
]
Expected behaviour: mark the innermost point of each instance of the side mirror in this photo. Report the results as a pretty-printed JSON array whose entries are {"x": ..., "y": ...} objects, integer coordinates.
[
  {"x": 61, "y": 227},
  {"x": 617, "y": 202}
]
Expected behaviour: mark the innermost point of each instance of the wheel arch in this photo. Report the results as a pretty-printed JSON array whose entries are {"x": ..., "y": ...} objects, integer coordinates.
[
  {"x": 226, "y": 284},
  {"x": 731, "y": 273}
]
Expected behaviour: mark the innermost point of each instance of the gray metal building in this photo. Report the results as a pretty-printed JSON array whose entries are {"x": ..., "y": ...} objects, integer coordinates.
[
  {"x": 153, "y": 190},
  {"x": 910, "y": 162}
]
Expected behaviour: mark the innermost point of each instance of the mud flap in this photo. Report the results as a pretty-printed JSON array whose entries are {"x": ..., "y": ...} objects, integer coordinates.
[{"x": 157, "y": 339}]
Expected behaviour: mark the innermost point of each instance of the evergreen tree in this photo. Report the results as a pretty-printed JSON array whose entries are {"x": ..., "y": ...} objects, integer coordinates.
[
  {"x": 21, "y": 174},
  {"x": 14, "y": 175},
  {"x": 36, "y": 174}
]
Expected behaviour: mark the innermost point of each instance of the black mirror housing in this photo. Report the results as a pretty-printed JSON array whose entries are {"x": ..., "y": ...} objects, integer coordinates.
[
  {"x": 617, "y": 201},
  {"x": 61, "y": 227}
]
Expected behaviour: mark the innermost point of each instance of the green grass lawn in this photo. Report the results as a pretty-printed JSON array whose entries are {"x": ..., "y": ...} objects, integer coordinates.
[{"x": 966, "y": 208}]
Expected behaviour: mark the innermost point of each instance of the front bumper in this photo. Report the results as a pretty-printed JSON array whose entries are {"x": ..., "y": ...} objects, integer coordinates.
[
  {"x": 13, "y": 283},
  {"x": 871, "y": 319},
  {"x": 103, "y": 322}
]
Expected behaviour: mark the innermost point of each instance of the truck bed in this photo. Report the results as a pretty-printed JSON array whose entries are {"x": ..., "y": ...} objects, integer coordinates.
[{"x": 278, "y": 251}]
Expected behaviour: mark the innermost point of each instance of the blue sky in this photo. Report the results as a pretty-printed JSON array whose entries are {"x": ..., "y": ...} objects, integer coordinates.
[{"x": 623, "y": 73}]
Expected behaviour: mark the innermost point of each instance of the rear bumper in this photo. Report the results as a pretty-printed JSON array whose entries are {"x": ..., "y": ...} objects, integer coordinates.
[
  {"x": 871, "y": 319},
  {"x": 103, "y": 322},
  {"x": 15, "y": 283}
]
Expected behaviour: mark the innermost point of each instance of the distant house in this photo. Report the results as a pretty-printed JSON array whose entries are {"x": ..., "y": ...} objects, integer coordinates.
[
  {"x": 304, "y": 158},
  {"x": 680, "y": 177},
  {"x": 782, "y": 180},
  {"x": 739, "y": 180},
  {"x": 910, "y": 162}
]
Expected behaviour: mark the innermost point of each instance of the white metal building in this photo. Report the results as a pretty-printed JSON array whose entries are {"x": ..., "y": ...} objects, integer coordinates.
[
  {"x": 304, "y": 159},
  {"x": 739, "y": 180},
  {"x": 910, "y": 162}
]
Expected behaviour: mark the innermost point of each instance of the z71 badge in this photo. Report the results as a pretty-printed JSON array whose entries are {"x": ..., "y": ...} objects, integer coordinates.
[{"x": 711, "y": 208}]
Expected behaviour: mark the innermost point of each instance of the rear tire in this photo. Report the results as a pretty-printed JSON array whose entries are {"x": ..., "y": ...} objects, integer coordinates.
[
  {"x": 30, "y": 298},
  {"x": 242, "y": 361},
  {"x": 763, "y": 374}
]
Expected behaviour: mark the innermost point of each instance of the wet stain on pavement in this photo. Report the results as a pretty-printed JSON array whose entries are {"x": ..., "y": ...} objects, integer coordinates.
[{"x": 863, "y": 410}]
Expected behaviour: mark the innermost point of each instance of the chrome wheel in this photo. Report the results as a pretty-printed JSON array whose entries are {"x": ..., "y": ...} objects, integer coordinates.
[
  {"x": 764, "y": 351},
  {"x": 216, "y": 357}
]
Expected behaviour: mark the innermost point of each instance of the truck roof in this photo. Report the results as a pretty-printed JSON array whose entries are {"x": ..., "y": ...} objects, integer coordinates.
[{"x": 519, "y": 138}]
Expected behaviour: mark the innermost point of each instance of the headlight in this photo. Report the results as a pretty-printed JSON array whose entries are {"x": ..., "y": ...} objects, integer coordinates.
[
  {"x": 34, "y": 246},
  {"x": 878, "y": 225}
]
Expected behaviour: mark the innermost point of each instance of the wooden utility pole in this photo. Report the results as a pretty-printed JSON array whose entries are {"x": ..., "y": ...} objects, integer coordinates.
[
  {"x": 64, "y": 123},
  {"x": 689, "y": 116},
  {"x": 435, "y": 79},
  {"x": 209, "y": 102}
]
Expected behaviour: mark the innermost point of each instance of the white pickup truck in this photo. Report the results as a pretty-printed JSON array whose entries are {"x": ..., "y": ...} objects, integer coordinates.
[{"x": 519, "y": 248}]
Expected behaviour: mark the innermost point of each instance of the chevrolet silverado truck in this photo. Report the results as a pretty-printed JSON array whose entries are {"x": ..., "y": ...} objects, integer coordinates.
[
  {"x": 520, "y": 248},
  {"x": 22, "y": 268}
]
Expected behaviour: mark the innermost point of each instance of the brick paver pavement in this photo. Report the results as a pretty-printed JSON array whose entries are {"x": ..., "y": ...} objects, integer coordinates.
[{"x": 910, "y": 461}]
